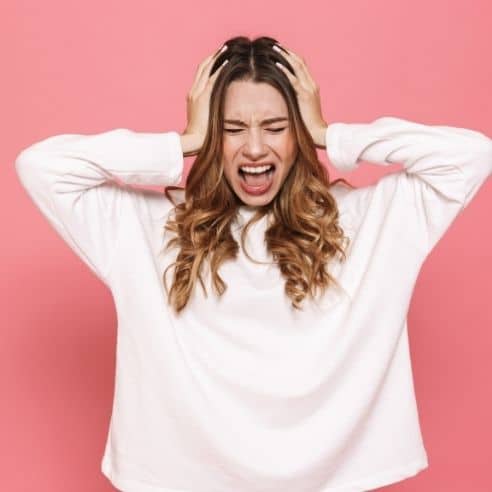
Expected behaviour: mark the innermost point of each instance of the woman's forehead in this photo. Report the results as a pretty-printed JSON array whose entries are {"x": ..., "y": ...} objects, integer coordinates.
[{"x": 253, "y": 101}]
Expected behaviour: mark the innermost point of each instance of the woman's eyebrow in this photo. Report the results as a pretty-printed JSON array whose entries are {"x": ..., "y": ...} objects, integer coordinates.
[{"x": 264, "y": 122}]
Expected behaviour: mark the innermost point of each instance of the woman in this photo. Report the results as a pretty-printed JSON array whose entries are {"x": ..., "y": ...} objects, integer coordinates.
[{"x": 295, "y": 375}]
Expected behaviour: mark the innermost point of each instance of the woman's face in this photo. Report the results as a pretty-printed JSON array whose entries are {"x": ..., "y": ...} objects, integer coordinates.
[{"x": 257, "y": 132}]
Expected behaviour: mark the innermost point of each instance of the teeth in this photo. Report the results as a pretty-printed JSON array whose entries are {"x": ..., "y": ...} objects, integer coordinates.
[{"x": 256, "y": 170}]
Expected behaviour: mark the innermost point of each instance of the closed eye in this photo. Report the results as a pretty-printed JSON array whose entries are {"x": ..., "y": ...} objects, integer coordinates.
[{"x": 235, "y": 130}]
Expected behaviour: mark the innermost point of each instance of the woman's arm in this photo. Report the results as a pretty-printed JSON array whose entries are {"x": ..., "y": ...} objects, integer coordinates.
[
  {"x": 79, "y": 183},
  {"x": 443, "y": 166}
]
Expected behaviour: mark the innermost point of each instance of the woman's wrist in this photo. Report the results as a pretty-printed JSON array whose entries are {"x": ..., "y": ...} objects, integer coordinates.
[
  {"x": 320, "y": 136},
  {"x": 189, "y": 143}
]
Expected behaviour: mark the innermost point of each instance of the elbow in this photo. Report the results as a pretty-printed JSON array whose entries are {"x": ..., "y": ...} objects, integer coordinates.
[
  {"x": 485, "y": 151},
  {"x": 25, "y": 162},
  {"x": 489, "y": 153},
  {"x": 32, "y": 157},
  {"x": 30, "y": 167}
]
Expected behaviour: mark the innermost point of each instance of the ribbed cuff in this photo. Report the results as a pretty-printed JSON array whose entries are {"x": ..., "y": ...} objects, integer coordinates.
[
  {"x": 337, "y": 139},
  {"x": 176, "y": 157}
]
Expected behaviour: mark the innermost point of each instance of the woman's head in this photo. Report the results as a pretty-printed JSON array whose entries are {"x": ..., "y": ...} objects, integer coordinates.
[
  {"x": 251, "y": 89},
  {"x": 249, "y": 92}
]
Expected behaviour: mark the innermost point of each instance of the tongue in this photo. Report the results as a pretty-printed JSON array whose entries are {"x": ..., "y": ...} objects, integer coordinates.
[{"x": 257, "y": 179}]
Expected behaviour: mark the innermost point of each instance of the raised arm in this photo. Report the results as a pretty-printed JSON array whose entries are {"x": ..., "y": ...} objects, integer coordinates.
[
  {"x": 443, "y": 166},
  {"x": 79, "y": 183}
]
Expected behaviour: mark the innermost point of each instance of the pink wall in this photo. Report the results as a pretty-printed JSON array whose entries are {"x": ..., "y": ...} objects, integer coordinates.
[{"x": 76, "y": 67}]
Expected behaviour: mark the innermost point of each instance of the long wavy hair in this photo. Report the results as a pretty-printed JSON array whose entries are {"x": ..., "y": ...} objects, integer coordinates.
[{"x": 303, "y": 235}]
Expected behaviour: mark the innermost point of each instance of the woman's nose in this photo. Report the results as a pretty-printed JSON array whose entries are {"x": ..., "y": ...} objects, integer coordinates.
[{"x": 254, "y": 146}]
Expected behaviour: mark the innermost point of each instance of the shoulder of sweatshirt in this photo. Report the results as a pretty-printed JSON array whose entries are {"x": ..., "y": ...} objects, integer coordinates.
[{"x": 351, "y": 201}]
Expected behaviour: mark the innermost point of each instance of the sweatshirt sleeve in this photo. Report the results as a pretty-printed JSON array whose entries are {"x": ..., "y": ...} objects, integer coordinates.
[
  {"x": 443, "y": 166},
  {"x": 80, "y": 183}
]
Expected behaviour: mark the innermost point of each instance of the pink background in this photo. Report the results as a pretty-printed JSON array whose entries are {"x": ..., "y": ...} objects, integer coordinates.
[{"x": 85, "y": 67}]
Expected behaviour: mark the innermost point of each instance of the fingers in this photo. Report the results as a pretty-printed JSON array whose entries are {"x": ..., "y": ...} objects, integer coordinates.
[
  {"x": 205, "y": 65},
  {"x": 292, "y": 78},
  {"x": 299, "y": 65},
  {"x": 212, "y": 78},
  {"x": 201, "y": 77}
]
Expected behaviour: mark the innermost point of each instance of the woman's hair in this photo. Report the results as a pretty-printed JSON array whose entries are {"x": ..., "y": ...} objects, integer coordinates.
[{"x": 304, "y": 234}]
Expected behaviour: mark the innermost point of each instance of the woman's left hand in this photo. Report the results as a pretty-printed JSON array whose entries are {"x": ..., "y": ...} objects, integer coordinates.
[{"x": 307, "y": 94}]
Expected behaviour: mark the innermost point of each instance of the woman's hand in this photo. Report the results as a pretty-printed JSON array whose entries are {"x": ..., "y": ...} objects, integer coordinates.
[
  {"x": 307, "y": 94},
  {"x": 198, "y": 105}
]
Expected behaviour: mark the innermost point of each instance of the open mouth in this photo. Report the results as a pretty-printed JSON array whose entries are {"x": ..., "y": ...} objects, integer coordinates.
[
  {"x": 258, "y": 180},
  {"x": 256, "y": 177}
]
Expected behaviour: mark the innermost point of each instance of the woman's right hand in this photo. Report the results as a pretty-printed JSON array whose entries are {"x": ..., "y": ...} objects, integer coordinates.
[{"x": 198, "y": 105}]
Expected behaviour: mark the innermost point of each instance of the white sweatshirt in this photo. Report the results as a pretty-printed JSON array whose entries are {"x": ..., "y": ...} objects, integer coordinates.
[{"x": 243, "y": 393}]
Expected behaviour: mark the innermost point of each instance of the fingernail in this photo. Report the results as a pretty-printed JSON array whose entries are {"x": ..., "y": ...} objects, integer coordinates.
[{"x": 275, "y": 47}]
